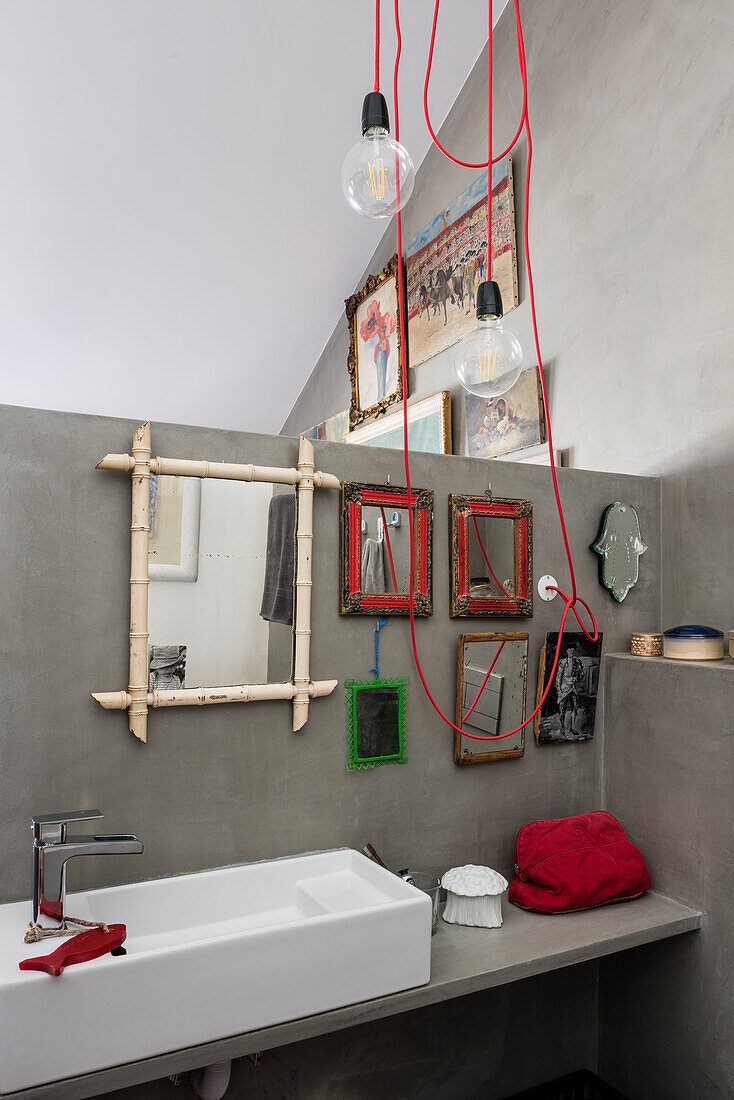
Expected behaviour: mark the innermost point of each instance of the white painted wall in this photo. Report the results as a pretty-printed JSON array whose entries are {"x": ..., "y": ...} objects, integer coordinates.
[
  {"x": 217, "y": 616},
  {"x": 174, "y": 243}
]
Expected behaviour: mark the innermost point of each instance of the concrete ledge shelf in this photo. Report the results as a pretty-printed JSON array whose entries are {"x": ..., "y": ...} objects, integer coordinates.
[
  {"x": 464, "y": 960},
  {"x": 725, "y": 666}
]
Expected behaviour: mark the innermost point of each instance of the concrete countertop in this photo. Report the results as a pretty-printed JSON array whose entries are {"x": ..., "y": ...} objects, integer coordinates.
[
  {"x": 721, "y": 664},
  {"x": 463, "y": 961}
]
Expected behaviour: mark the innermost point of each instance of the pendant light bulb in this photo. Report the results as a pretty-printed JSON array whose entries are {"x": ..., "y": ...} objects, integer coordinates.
[
  {"x": 378, "y": 173},
  {"x": 488, "y": 360}
]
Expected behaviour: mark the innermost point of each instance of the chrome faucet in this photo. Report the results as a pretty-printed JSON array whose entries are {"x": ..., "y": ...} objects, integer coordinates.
[{"x": 53, "y": 847}]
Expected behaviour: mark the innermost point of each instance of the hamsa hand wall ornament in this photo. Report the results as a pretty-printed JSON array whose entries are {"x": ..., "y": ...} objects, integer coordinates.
[{"x": 619, "y": 546}]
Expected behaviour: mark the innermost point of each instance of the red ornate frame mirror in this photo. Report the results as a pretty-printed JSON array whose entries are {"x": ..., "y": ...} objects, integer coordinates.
[
  {"x": 491, "y": 550},
  {"x": 374, "y": 550}
]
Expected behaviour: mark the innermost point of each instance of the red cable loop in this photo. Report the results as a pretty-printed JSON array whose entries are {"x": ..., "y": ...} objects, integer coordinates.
[
  {"x": 456, "y": 160},
  {"x": 572, "y": 606},
  {"x": 570, "y": 601},
  {"x": 489, "y": 145}
]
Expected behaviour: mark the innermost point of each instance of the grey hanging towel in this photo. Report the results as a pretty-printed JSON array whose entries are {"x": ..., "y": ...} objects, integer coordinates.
[
  {"x": 373, "y": 566},
  {"x": 277, "y": 602}
]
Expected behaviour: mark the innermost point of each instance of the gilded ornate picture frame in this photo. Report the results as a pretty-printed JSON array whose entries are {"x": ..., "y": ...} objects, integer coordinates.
[
  {"x": 375, "y": 341},
  {"x": 374, "y": 546},
  {"x": 429, "y": 427},
  {"x": 474, "y": 587}
]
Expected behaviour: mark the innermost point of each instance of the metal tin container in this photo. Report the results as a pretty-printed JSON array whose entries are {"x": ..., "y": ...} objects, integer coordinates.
[{"x": 644, "y": 644}]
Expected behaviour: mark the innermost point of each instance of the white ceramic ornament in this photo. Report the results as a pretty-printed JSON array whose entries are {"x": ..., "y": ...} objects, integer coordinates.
[{"x": 474, "y": 896}]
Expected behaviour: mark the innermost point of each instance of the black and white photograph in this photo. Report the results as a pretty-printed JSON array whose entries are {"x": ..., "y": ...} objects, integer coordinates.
[
  {"x": 569, "y": 710},
  {"x": 166, "y": 667}
]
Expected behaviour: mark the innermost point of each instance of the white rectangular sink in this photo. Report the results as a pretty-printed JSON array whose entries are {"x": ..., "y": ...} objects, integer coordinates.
[{"x": 209, "y": 955}]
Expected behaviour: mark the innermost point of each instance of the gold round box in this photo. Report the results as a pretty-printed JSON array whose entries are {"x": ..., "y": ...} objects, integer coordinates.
[{"x": 646, "y": 645}]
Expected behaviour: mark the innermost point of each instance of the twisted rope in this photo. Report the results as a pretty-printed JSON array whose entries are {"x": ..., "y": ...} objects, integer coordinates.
[{"x": 34, "y": 932}]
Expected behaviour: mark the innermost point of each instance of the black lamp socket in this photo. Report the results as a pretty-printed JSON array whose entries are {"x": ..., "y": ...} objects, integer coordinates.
[
  {"x": 489, "y": 300},
  {"x": 374, "y": 112}
]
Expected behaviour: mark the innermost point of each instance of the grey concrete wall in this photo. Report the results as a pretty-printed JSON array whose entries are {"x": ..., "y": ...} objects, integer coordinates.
[
  {"x": 233, "y": 783},
  {"x": 633, "y": 257},
  {"x": 666, "y": 1013}
]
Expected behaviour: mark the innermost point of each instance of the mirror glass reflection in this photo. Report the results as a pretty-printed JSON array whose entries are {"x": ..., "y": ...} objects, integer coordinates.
[
  {"x": 491, "y": 556},
  {"x": 386, "y": 549},
  {"x": 500, "y": 706},
  {"x": 222, "y": 564}
]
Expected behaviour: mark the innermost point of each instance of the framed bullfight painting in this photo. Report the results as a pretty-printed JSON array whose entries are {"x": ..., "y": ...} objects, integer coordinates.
[{"x": 447, "y": 261}]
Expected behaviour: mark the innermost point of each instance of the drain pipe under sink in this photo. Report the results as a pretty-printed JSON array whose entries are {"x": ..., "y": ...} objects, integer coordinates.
[{"x": 211, "y": 1082}]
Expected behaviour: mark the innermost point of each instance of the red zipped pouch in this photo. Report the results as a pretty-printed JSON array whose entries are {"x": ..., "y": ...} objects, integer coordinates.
[{"x": 572, "y": 863}]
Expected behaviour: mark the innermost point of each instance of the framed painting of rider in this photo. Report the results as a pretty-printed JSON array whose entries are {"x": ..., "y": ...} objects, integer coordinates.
[
  {"x": 447, "y": 261},
  {"x": 375, "y": 339}
]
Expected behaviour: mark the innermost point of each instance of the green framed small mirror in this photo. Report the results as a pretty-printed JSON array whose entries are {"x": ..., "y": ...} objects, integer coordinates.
[{"x": 376, "y": 722}]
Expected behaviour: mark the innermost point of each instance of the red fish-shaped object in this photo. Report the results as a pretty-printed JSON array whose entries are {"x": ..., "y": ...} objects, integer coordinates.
[{"x": 81, "y": 948}]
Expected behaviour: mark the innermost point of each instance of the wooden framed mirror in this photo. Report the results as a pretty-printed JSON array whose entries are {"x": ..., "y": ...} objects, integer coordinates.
[
  {"x": 491, "y": 556},
  {"x": 238, "y": 553},
  {"x": 491, "y": 690},
  {"x": 374, "y": 550}
]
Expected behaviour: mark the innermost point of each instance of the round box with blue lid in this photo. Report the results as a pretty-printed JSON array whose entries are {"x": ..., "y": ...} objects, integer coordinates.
[{"x": 693, "y": 643}]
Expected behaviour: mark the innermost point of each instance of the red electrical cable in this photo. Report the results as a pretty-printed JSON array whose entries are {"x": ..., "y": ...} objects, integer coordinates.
[
  {"x": 531, "y": 293},
  {"x": 377, "y": 45},
  {"x": 489, "y": 146},
  {"x": 570, "y": 601},
  {"x": 456, "y": 160}
]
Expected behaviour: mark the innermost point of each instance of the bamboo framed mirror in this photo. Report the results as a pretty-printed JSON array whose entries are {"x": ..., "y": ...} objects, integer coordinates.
[
  {"x": 222, "y": 538},
  {"x": 491, "y": 556}
]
